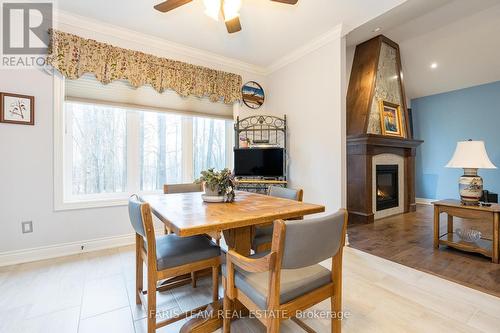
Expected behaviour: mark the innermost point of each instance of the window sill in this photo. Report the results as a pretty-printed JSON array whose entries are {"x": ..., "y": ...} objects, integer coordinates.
[
  {"x": 89, "y": 203},
  {"x": 86, "y": 204}
]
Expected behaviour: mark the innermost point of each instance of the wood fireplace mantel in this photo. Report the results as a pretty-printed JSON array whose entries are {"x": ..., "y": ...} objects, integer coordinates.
[
  {"x": 360, "y": 152},
  {"x": 375, "y": 140}
]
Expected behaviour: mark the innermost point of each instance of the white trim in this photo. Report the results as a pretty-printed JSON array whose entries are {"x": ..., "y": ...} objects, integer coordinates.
[
  {"x": 64, "y": 249},
  {"x": 81, "y": 23},
  {"x": 59, "y": 174},
  {"x": 424, "y": 201},
  {"x": 307, "y": 48},
  {"x": 67, "y": 249}
]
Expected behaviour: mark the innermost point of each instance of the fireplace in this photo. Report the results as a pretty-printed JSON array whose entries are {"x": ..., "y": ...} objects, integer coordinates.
[
  {"x": 387, "y": 186},
  {"x": 380, "y": 166}
]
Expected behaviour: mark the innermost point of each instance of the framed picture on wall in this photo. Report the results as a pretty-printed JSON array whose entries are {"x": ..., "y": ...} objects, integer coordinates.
[
  {"x": 253, "y": 95},
  {"x": 17, "y": 109},
  {"x": 390, "y": 119}
]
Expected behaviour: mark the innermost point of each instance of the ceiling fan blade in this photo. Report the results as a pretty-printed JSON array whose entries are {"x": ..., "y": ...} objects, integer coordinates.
[
  {"x": 288, "y": 2},
  {"x": 170, "y": 4},
  {"x": 233, "y": 25}
]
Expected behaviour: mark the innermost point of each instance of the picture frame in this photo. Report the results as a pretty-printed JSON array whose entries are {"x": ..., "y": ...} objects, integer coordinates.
[
  {"x": 391, "y": 122},
  {"x": 17, "y": 109},
  {"x": 253, "y": 95}
]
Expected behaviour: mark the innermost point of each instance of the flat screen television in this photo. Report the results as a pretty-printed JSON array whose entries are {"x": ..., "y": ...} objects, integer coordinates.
[{"x": 263, "y": 162}]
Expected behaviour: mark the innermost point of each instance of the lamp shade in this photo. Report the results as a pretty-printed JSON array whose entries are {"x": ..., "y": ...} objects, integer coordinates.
[{"x": 470, "y": 155}]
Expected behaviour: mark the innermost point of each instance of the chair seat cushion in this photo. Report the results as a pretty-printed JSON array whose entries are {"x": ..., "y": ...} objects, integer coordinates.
[
  {"x": 294, "y": 283},
  {"x": 173, "y": 251}
]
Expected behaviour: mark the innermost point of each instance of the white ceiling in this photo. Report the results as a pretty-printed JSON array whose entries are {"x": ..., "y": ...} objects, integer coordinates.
[
  {"x": 270, "y": 30},
  {"x": 460, "y": 36}
]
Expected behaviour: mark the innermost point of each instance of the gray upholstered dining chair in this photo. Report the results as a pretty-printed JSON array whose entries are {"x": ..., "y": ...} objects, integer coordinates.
[
  {"x": 167, "y": 256},
  {"x": 263, "y": 234},
  {"x": 289, "y": 279},
  {"x": 188, "y": 188}
]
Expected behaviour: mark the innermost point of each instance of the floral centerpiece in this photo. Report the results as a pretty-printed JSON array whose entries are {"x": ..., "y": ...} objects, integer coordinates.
[{"x": 218, "y": 184}]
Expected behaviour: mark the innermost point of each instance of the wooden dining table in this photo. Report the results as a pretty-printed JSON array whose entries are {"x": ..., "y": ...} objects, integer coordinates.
[{"x": 186, "y": 214}]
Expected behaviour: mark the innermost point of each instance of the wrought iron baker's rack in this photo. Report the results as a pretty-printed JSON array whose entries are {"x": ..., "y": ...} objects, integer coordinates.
[{"x": 262, "y": 131}]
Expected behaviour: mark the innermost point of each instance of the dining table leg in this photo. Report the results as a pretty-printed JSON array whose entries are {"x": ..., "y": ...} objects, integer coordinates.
[{"x": 239, "y": 240}]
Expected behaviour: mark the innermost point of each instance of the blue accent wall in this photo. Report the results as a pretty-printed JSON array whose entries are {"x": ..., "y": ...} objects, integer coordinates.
[{"x": 442, "y": 120}]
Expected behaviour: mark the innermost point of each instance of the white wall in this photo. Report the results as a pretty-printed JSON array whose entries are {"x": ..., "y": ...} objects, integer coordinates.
[
  {"x": 311, "y": 92},
  {"x": 26, "y": 156},
  {"x": 26, "y": 177}
]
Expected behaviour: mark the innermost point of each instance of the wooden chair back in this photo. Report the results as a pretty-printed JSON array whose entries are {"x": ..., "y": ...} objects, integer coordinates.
[
  {"x": 182, "y": 188},
  {"x": 285, "y": 193},
  {"x": 141, "y": 219},
  {"x": 311, "y": 241}
]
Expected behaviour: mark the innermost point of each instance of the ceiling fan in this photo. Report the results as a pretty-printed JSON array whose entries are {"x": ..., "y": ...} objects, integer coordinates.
[{"x": 229, "y": 9}]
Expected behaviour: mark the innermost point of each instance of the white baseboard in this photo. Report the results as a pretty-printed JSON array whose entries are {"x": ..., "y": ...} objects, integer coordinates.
[
  {"x": 424, "y": 201},
  {"x": 65, "y": 249}
]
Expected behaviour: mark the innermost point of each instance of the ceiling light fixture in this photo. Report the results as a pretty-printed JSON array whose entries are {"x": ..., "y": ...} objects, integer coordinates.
[
  {"x": 231, "y": 9},
  {"x": 212, "y": 8},
  {"x": 434, "y": 65},
  {"x": 377, "y": 29}
]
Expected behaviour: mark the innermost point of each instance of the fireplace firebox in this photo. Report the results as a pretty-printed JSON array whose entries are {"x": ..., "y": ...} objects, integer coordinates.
[{"x": 387, "y": 186}]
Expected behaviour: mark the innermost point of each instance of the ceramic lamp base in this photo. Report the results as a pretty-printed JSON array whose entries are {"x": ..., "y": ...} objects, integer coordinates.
[{"x": 470, "y": 187}]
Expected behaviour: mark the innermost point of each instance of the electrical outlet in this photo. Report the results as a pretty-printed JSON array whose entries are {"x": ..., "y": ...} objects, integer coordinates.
[{"x": 27, "y": 226}]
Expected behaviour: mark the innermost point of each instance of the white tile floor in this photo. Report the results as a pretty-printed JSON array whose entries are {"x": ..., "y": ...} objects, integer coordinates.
[{"x": 93, "y": 292}]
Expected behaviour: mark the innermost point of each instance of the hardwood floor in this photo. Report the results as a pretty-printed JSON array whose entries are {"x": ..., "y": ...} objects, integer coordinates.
[
  {"x": 94, "y": 292},
  {"x": 407, "y": 239}
]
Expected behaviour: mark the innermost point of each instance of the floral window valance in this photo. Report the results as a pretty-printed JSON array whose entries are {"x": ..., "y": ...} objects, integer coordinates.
[{"x": 74, "y": 56}]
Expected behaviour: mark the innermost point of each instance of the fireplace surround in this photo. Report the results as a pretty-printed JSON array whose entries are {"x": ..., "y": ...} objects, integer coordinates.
[
  {"x": 387, "y": 186},
  {"x": 376, "y": 76}
]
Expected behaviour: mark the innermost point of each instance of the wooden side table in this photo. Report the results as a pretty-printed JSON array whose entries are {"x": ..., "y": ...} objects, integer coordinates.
[{"x": 487, "y": 247}]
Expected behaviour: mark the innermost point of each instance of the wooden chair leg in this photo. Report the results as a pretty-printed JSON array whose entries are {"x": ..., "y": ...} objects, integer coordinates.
[
  {"x": 215, "y": 283},
  {"x": 228, "y": 310},
  {"x": 274, "y": 326},
  {"x": 336, "y": 304},
  {"x": 336, "y": 319},
  {"x": 151, "y": 302},
  {"x": 138, "y": 271},
  {"x": 193, "y": 279}
]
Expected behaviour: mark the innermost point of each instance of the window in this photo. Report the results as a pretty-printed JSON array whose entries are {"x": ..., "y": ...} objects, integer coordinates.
[
  {"x": 161, "y": 150},
  {"x": 99, "y": 149},
  {"x": 209, "y": 138},
  {"x": 110, "y": 152}
]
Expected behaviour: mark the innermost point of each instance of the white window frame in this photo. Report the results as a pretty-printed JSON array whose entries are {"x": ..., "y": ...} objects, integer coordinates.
[{"x": 63, "y": 197}]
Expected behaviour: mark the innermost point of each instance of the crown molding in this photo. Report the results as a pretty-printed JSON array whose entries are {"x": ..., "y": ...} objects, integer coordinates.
[
  {"x": 90, "y": 27},
  {"x": 93, "y": 27},
  {"x": 318, "y": 42}
]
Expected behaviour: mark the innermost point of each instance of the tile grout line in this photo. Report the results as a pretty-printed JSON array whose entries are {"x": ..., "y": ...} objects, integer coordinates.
[{"x": 129, "y": 300}]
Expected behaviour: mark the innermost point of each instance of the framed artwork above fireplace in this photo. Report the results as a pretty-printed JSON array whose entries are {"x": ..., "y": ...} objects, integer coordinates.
[{"x": 390, "y": 119}]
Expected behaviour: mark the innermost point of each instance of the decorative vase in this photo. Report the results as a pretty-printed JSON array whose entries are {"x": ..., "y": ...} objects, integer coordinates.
[
  {"x": 470, "y": 187},
  {"x": 212, "y": 195}
]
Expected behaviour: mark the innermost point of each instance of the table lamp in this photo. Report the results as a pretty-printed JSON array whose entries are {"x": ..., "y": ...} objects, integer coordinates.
[{"x": 470, "y": 155}]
